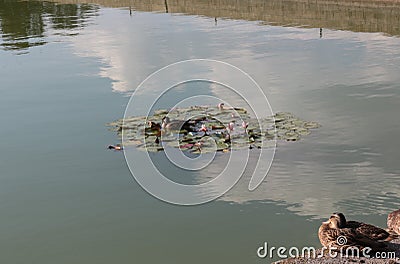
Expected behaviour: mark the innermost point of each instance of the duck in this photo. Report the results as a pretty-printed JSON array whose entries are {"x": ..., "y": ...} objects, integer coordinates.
[
  {"x": 178, "y": 125},
  {"x": 221, "y": 106},
  {"x": 368, "y": 230},
  {"x": 335, "y": 238},
  {"x": 154, "y": 126},
  {"x": 393, "y": 222},
  {"x": 115, "y": 147}
]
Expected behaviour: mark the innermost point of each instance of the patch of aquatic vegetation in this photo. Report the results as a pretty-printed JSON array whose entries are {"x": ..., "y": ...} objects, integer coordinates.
[{"x": 202, "y": 129}]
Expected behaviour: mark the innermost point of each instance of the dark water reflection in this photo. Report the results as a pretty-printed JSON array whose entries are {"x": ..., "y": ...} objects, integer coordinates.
[
  {"x": 25, "y": 24},
  {"x": 358, "y": 16}
]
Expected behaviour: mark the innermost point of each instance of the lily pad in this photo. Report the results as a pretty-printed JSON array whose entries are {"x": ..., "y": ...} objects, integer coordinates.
[
  {"x": 311, "y": 125},
  {"x": 205, "y": 129}
]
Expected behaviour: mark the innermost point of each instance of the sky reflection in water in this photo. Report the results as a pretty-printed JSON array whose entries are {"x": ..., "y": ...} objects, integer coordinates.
[{"x": 346, "y": 81}]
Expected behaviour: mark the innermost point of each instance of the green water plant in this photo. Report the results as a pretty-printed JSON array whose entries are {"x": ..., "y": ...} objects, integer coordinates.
[{"x": 202, "y": 129}]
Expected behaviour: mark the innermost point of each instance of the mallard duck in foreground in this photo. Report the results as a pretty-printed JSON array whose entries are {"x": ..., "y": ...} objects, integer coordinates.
[
  {"x": 332, "y": 236},
  {"x": 370, "y": 231},
  {"x": 393, "y": 221}
]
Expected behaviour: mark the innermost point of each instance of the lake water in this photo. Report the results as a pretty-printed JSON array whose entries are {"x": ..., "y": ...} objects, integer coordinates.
[{"x": 68, "y": 69}]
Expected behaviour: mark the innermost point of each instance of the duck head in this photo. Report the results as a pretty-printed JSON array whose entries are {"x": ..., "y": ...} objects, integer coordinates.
[
  {"x": 332, "y": 222},
  {"x": 340, "y": 218}
]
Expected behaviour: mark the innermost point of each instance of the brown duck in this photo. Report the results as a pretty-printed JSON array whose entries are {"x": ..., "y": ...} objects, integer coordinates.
[
  {"x": 330, "y": 235},
  {"x": 169, "y": 124},
  {"x": 154, "y": 126},
  {"x": 393, "y": 221},
  {"x": 370, "y": 231}
]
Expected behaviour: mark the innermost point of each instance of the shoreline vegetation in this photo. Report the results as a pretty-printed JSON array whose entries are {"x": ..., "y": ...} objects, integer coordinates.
[{"x": 358, "y": 16}]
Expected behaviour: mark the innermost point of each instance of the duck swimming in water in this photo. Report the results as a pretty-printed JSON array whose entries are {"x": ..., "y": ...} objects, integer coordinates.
[
  {"x": 393, "y": 221},
  {"x": 178, "y": 125},
  {"x": 370, "y": 231},
  {"x": 154, "y": 126},
  {"x": 115, "y": 147},
  {"x": 331, "y": 235}
]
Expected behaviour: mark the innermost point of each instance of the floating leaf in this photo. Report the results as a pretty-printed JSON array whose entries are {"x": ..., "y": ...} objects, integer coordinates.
[
  {"x": 203, "y": 129},
  {"x": 311, "y": 125}
]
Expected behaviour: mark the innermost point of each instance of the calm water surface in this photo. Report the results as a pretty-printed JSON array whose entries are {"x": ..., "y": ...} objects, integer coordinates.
[{"x": 66, "y": 70}]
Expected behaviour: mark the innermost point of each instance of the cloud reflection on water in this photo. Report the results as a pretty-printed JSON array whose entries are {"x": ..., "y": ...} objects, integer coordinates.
[{"x": 317, "y": 79}]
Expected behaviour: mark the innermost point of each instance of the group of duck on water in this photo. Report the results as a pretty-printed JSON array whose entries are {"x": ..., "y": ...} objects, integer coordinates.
[
  {"x": 188, "y": 125},
  {"x": 341, "y": 234}
]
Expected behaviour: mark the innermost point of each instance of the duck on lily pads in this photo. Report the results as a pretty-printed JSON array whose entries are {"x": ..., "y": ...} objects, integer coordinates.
[{"x": 203, "y": 129}]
